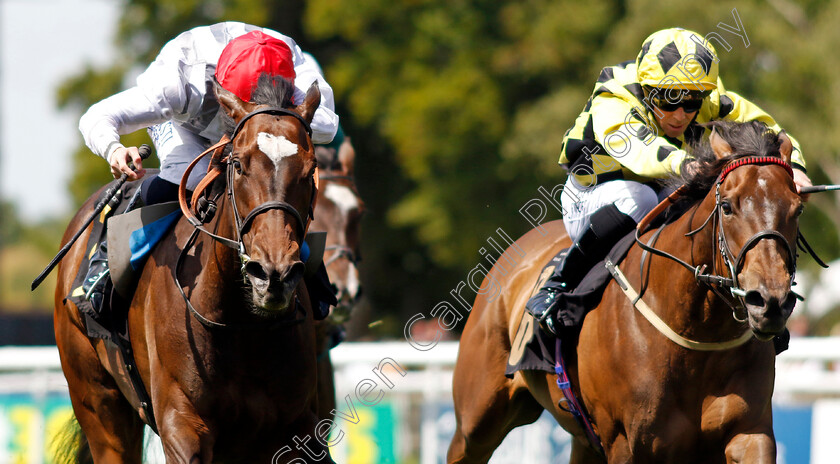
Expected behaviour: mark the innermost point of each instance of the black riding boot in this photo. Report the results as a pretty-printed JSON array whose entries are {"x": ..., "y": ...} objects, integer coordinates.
[
  {"x": 97, "y": 281},
  {"x": 97, "y": 278},
  {"x": 607, "y": 226}
]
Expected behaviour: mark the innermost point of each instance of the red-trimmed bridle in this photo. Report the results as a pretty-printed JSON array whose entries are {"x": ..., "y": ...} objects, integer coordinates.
[{"x": 733, "y": 263}]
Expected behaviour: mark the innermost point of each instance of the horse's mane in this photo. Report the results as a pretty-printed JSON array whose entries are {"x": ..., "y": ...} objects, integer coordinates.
[
  {"x": 752, "y": 138},
  {"x": 270, "y": 90}
]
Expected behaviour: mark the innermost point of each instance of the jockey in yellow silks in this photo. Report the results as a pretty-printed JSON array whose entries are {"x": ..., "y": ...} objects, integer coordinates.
[{"x": 633, "y": 131}]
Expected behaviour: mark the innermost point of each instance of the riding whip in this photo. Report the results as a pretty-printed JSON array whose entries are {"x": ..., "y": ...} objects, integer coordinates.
[
  {"x": 819, "y": 188},
  {"x": 145, "y": 152}
]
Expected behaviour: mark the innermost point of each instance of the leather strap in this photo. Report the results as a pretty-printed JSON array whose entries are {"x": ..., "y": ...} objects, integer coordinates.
[
  {"x": 182, "y": 187},
  {"x": 662, "y": 326}
]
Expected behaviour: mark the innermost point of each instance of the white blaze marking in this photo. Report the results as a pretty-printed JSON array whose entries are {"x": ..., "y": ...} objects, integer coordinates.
[
  {"x": 342, "y": 196},
  {"x": 276, "y": 147},
  {"x": 352, "y": 282}
]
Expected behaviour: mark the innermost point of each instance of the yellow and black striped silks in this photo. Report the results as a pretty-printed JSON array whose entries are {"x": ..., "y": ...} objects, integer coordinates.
[{"x": 616, "y": 136}]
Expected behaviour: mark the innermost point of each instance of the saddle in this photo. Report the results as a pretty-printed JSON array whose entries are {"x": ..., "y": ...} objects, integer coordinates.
[
  {"x": 533, "y": 349},
  {"x": 102, "y": 322}
]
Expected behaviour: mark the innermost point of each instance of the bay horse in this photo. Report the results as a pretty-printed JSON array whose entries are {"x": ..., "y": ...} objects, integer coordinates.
[
  {"x": 230, "y": 365},
  {"x": 649, "y": 398},
  {"x": 338, "y": 213}
]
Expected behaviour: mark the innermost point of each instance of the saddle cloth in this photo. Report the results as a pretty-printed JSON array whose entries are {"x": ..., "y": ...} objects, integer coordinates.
[
  {"x": 532, "y": 348},
  {"x": 131, "y": 236}
]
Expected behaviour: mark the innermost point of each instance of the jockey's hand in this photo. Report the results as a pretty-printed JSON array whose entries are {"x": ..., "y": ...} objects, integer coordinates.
[
  {"x": 121, "y": 160},
  {"x": 800, "y": 179},
  {"x": 690, "y": 168}
]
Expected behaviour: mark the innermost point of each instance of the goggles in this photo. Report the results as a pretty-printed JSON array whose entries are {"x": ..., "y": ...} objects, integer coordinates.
[{"x": 690, "y": 101}]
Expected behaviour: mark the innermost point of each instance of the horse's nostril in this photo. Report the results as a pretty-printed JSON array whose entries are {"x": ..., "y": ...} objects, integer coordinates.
[
  {"x": 294, "y": 273},
  {"x": 754, "y": 298},
  {"x": 255, "y": 270},
  {"x": 789, "y": 303}
]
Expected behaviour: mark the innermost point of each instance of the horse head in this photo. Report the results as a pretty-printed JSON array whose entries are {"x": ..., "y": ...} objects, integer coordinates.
[
  {"x": 271, "y": 182},
  {"x": 758, "y": 212},
  {"x": 339, "y": 213}
]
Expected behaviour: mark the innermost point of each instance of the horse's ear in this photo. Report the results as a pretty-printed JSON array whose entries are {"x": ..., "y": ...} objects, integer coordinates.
[
  {"x": 231, "y": 104},
  {"x": 347, "y": 157},
  {"x": 786, "y": 148},
  {"x": 310, "y": 103},
  {"x": 721, "y": 148}
]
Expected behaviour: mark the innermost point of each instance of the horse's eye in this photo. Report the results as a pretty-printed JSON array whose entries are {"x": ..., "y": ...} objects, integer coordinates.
[
  {"x": 238, "y": 166},
  {"x": 726, "y": 207},
  {"x": 799, "y": 210}
]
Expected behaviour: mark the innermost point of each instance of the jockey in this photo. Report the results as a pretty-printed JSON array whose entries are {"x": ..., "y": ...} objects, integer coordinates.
[
  {"x": 174, "y": 100},
  {"x": 636, "y": 129}
]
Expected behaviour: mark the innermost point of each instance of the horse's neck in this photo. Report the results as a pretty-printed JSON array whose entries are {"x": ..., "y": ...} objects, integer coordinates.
[{"x": 695, "y": 301}]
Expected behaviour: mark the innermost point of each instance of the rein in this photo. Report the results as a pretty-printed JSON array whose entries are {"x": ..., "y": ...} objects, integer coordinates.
[
  {"x": 714, "y": 281},
  {"x": 241, "y": 225}
]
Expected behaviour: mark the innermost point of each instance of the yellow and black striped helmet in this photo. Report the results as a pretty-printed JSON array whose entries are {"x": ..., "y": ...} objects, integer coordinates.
[{"x": 678, "y": 57}]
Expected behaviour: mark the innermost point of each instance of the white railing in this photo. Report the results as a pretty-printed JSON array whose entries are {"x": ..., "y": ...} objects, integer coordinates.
[
  {"x": 810, "y": 367},
  {"x": 807, "y": 372}
]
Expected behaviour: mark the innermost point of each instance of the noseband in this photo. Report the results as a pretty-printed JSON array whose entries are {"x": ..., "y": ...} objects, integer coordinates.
[
  {"x": 341, "y": 251},
  {"x": 242, "y": 225}
]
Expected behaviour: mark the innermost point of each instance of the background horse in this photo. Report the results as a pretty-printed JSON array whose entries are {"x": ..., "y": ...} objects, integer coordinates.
[
  {"x": 233, "y": 381},
  {"x": 650, "y": 399},
  {"x": 338, "y": 212}
]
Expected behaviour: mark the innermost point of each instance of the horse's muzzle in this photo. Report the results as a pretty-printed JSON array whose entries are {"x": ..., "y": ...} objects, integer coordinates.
[
  {"x": 272, "y": 288},
  {"x": 768, "y": 311}
]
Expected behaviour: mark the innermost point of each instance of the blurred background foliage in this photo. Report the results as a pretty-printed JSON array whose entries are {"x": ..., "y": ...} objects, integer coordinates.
[{"x": 457, "y": 109}]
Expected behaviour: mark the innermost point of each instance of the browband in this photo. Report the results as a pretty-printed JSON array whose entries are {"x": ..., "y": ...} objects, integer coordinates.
[
  {"x": 754, "y": 160},
  {"x": 271, "y": 110}
]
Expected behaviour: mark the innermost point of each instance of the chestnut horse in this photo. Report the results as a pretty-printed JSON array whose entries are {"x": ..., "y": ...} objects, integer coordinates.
[
  {"x": 338, "y": 213},
  {"x": 231, "y": 372},
  {"x": 651, "y": 399}
]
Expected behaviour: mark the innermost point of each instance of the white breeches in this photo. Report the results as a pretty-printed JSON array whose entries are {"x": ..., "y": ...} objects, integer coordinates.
[{"x": 631, "y": 198}]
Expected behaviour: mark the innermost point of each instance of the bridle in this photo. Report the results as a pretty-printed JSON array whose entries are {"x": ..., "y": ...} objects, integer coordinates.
[
  {"x": 717, "y": 283},
  {"x": 734, "y": 263},
  {"x": 218, "y": 160}
]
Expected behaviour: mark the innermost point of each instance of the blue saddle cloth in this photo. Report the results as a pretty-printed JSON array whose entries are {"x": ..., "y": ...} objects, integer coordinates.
[{"x": 143, "y": 240}]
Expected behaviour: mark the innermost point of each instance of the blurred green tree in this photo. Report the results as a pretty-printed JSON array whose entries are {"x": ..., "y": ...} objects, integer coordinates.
[{"x": 457, "y": 108}]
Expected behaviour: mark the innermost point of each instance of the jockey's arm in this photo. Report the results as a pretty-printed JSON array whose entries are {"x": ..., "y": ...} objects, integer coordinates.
[
  {"x": 632, "y": 142},
  {"x": 167, "y": 89}
]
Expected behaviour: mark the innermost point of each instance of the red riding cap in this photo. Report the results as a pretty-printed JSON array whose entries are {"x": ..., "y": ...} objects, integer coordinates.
[{"x": 247, "y": 57}]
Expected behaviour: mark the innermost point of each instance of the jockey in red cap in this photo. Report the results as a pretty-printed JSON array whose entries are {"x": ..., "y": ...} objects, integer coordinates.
[
  {"x": 247, "y": 57},
  {"x": 174, "y": 100}
]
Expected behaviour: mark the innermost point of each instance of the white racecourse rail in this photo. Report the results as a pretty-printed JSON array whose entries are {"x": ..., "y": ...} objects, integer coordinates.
[{"x": 417, "y": 404}]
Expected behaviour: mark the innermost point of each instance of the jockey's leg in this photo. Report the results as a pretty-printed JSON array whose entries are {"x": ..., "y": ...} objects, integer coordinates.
[
  {"x": 156, "y": 190},
  {"x": 176, "y": 148},
  {"x": 598, "y": 218},
  {"x": 97, "y": 278}
]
